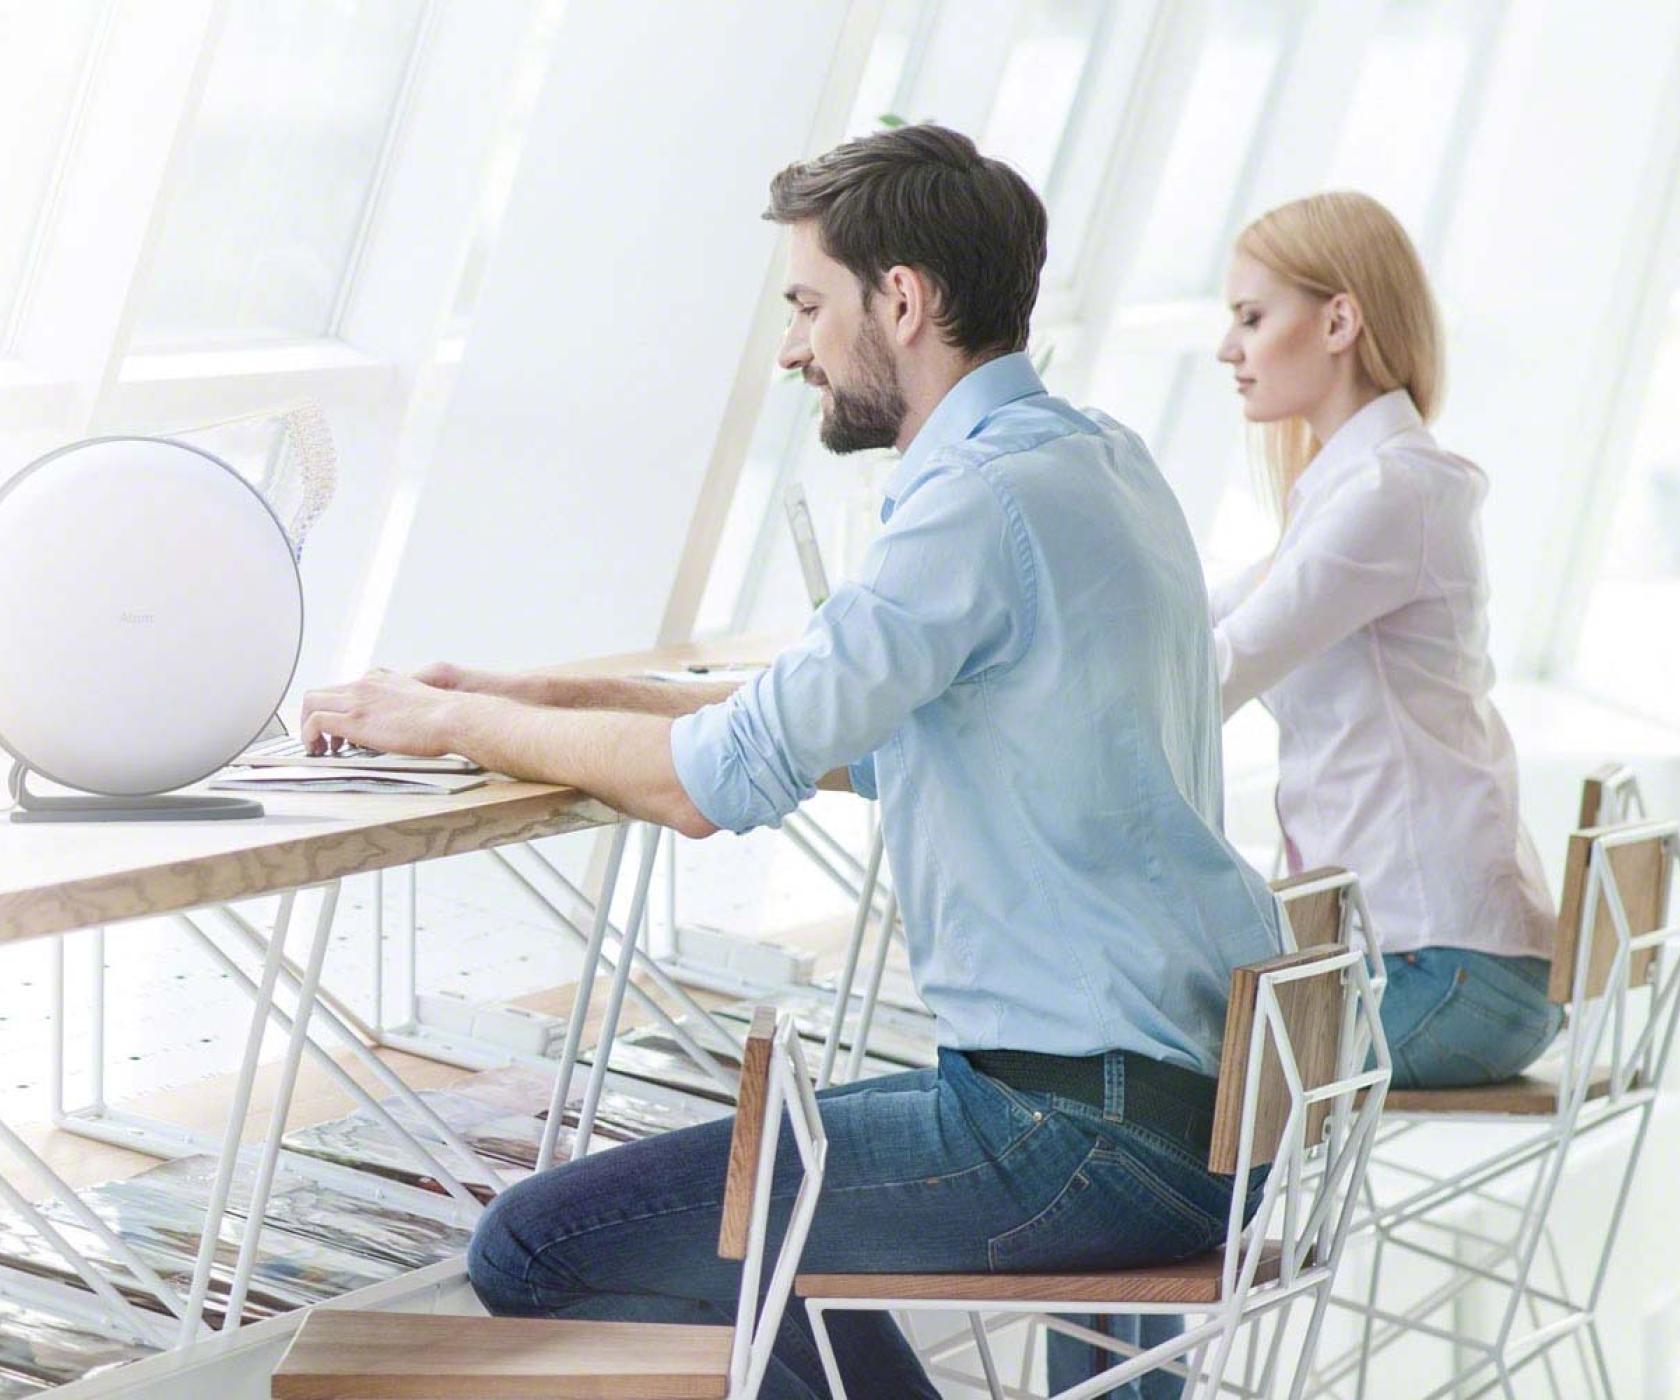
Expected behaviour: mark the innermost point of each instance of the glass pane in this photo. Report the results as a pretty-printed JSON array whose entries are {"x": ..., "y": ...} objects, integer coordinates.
[
  {"x": 278, "y": 170},
  {"x": 755, "y": 580},
  {"x": 1416, "y": 63},
  {"x": 1191, "y": 215},
  {"x": 43, "y": 51},
  {"x": 755, "y": 583},
  {"x": 1040, "y": 84},
  {"x": 887, "y": 71},
  {"x": 1621, "y": 656},
  {"x": 530, "y": 69}
]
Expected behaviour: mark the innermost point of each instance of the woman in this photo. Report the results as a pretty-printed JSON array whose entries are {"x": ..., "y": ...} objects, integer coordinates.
[{"x": 1365, "y": 634}]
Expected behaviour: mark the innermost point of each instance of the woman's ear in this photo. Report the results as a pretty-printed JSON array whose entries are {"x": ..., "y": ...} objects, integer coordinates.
[{"x": 1342, "y": 323}]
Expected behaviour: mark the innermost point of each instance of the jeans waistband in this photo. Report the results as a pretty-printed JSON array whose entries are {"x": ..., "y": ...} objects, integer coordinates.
[{"x": 1175, "y": 1102}]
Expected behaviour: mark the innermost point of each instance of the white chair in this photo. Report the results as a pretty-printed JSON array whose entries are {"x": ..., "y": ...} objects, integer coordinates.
[
  {"x": 342, "y": 1355},
  {"x": 1287, "y": 1089},
  {"x": 1615, "y": 970}
]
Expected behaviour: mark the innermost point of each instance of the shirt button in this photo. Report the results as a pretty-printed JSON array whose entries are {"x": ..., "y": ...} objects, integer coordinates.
[{"x": 1038, "y": 1117}]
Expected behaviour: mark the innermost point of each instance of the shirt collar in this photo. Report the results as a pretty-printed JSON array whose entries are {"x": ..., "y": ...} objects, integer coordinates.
[
  {"x": 1384, "y": 417},
  {"x": 961, "y": 413}
]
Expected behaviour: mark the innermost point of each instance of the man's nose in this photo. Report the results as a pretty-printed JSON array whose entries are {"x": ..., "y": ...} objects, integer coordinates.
[{"x": 795, "y": 351}]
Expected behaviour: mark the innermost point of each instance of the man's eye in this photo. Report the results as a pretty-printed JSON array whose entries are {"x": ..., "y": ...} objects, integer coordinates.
[{"x": 1251, "y": 320}]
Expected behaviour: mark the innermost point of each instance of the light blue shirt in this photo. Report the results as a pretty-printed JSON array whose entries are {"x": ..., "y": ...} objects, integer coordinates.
[{"x": 1023, "y": 672}]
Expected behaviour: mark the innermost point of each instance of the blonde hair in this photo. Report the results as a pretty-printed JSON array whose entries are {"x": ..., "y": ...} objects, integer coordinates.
[{"x": 1337, "y": 242}]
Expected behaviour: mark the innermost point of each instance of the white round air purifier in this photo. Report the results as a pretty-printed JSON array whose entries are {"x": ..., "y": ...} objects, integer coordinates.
[{"x": 150, "y": 620}]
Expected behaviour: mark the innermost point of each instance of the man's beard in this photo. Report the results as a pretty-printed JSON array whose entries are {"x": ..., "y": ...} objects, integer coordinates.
[{"x": 870, "y": 414}]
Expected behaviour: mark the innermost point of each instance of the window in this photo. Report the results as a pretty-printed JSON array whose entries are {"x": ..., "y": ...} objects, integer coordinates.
[
  {"x": 1416, "y": 64},
  {"x": 1182, "y": 243},
  {"x": 44, "y": 54},
  {"x": 755, "y": 547},
  {"x": 1624, "y": 655},
  {"x": 526, "y": 87},
  {"x": 278, "y": 172},
  {"x": 1055, "y": 45}
]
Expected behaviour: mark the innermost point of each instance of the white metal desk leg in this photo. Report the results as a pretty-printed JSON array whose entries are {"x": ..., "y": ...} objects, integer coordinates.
[
  {"x": 96, "y": 1031},
  {"x": 237, "y": 1112},
  {"x": 674, "y": 1027},
  {"x": 633, "y": 926},
  {"x": 378, "y": 954},
  {"x": 347, "y": 1032},
  {"x": 282, "y": 1107},
  {"x": 848, "y": 973},
  {"x": 56, "y": 1044},
  {"x": 411, "y": 949},
  {"x": 580, "y": 999},
  {"x": 354, "y": 1091}
]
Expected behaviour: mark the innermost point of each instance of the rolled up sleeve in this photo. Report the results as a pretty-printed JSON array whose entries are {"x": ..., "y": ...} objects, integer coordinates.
[{"x": 945, "y": 594}]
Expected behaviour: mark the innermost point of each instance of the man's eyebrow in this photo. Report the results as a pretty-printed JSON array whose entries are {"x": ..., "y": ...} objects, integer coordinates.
[
  {"x": 1241, "y": 302},
  {"x": 798, "y": 290}
]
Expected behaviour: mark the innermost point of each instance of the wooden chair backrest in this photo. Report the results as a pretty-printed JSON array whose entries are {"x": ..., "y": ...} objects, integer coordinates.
[
  {"x": 1316, "y": 918},
  {"x": 748, "y": 1135},
  {"x": 1600, "y": 794},
  {"x": 1312, "y": 1012},
  {"x": 1642, "y": 870}
]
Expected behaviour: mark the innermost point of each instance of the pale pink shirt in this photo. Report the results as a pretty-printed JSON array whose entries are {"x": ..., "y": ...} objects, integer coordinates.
[{"x": 1367, "y": 639}]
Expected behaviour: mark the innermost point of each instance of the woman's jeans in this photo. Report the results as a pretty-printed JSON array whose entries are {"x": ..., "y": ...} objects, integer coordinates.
[
  {"x": 940, "y": 1170},
  {"x": 1456, "y": 1018}
]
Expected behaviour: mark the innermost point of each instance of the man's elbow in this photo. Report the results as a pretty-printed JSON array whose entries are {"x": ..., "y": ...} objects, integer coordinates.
[{"x": 684, "y": 818}]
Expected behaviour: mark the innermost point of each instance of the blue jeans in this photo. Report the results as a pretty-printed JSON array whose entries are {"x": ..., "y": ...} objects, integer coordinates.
[
  {"x": 1456, "y": 1018},
  {"x": 941, "y": 1170}
]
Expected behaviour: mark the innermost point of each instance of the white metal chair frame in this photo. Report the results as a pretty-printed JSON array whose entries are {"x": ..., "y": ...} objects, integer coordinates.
[
  {"x": 1637, "y": 1057},
  {"x": 1316, "y": 1212},
  {"x": 790, "y": 1087}
]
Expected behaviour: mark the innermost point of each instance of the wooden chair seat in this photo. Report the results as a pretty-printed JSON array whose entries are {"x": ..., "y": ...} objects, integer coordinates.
[
  {"x": 1526, "y": 1096},
  {"x": 1190, "y": 1281},
  {"x": 339, "y": 1355}
]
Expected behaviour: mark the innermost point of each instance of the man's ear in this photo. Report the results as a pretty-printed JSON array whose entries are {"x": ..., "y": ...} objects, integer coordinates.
[
  {"x": 1343, "y": 321},
  {"x": 910, "y": 303}
]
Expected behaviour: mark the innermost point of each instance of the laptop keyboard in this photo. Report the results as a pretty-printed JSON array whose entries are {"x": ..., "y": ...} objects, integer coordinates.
[{"x": 286, "y": 746}]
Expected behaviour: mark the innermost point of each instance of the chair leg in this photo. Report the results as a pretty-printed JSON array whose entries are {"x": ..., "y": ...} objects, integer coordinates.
[
  {"x": 983, "y": 1345},
  {"x": 1029, "y": 1351},
  {"x": 1274, "y": 1352},
  {"x": 1309, "y": 1343},
  {"x": 1602, "y": 1362},
  {"x": 1222, "y": 1354},
  {"x": 1193, "y": 1367},
  {"x": 825, "y": 1348},
  {"x": 1370, "y": 1315}
]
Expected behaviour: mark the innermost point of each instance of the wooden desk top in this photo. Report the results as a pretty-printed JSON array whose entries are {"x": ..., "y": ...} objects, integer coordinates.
[{"x": 55, "y": 878}]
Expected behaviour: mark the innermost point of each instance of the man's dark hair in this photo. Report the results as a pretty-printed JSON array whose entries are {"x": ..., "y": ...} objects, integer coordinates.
[{"x": 923, "y": 197}]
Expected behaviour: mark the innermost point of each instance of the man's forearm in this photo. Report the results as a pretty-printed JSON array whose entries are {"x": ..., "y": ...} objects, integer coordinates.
[
  {"x": 669, "y": 698},
  {"x": 622, "y": 758}
]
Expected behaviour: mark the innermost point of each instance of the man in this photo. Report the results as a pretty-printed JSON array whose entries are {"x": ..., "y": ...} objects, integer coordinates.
[{"x": 1024, "y": 673}]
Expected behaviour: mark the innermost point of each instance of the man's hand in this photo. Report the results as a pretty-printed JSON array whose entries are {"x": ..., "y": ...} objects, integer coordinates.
[
  {"x": 384, "y": 711},
  {"x": 446, "y": 675}
]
